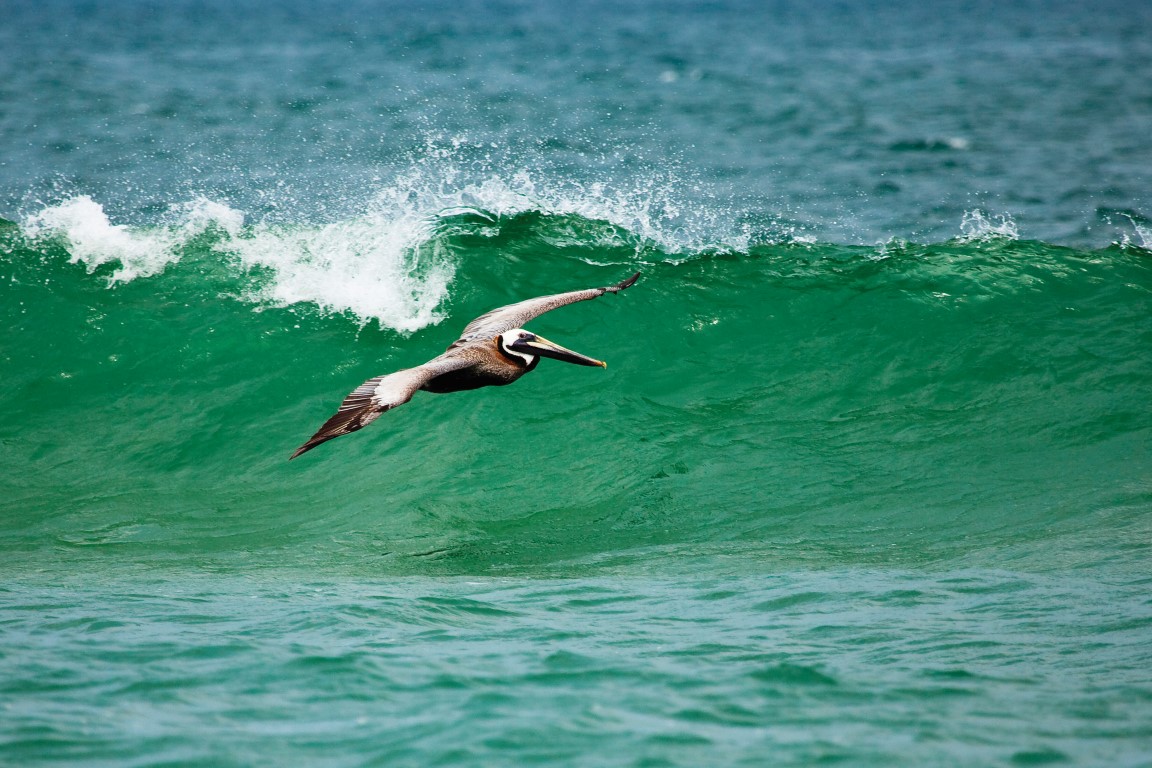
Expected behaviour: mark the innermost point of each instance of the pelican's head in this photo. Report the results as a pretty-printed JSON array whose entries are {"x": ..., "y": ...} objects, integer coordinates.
[{"x": 527, "y": 346}]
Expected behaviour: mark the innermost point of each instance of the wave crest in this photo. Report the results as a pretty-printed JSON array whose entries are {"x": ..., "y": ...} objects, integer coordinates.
[{"x": 392, "y": 261}]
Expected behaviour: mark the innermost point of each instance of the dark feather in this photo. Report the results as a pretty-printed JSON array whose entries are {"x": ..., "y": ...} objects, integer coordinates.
[{"x": 356, "y": 412}]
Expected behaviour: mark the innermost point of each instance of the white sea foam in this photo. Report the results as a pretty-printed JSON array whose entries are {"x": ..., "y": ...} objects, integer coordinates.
[
  {"x": 202, "y": 214},
  {"x": 648, "y": 209},
  {"x": 369, "y": 265},
  {"x": 377, "y": 267},
  {"x": 93, "y": 240},
  {"x": 383, "y": 263},
  {"x": 1141, "y": 231},
  {"x": 977, "y": 225},
  {"x": 1145, "y": 234}
]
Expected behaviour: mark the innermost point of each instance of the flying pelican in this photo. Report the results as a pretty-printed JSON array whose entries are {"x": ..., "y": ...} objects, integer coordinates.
[{"x": 494, "y": 350}]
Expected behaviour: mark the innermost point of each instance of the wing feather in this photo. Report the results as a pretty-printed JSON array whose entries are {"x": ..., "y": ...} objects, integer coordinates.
[
  {"x": 364, "y": 404},
  {"x": 516, "y": 315}
]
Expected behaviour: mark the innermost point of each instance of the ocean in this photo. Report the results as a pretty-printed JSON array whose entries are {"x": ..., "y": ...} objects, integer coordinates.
[{"x": 866, "y": 482}]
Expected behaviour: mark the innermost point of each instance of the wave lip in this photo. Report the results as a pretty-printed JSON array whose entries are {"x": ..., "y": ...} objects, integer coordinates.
[
  {"x": 394, "y": 260},
  {"x": 391, "y": 261},
  {"x": 92, "y": 239},
  {"x": 374, "y": 266}
]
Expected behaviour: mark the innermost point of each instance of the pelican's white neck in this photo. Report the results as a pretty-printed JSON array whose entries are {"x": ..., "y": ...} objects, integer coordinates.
[{"x": 506, "y": 339}]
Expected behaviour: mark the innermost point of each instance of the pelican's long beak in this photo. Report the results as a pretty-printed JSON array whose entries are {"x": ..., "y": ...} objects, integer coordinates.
[{"x": 536, "y": 345}]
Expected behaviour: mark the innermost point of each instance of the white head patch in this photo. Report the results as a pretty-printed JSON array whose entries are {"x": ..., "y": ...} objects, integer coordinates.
[{"x": 508, "y": 337}]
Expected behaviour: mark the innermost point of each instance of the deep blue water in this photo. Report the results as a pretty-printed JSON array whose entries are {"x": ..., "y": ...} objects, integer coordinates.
[{"x": 855, "y": 121}]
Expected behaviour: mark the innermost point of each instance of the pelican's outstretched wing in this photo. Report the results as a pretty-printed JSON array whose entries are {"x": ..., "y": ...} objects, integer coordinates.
[
  {"x": 516, "y": 315},
  {"x": 375, "y": 396}
]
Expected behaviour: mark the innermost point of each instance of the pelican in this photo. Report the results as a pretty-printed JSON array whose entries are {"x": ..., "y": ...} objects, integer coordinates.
[{"x": 494, "y": 350}]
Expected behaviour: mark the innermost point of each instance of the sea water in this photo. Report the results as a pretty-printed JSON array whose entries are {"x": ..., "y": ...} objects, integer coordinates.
[{"x": 867, "y": 480}]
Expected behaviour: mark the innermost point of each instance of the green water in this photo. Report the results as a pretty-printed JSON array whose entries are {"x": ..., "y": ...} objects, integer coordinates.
[
  {"x": 742, "y": 663},
  {"x": 827, "y": 503},
  {"x": 907, "y": 404}
]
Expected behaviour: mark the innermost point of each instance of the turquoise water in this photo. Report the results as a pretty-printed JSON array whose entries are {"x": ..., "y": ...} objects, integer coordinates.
[{"x": 867, "y": 480}]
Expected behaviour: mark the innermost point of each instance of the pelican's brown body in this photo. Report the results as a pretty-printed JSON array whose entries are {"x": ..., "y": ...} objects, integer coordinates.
[
  {"x": 487, "y": 369},
  {"x": 493, "y": 351}
]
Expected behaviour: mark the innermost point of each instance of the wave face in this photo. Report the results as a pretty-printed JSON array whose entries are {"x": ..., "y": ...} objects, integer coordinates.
[
  {"x": 907, "y": 403},
  {"x": 814, "y": 476}
]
